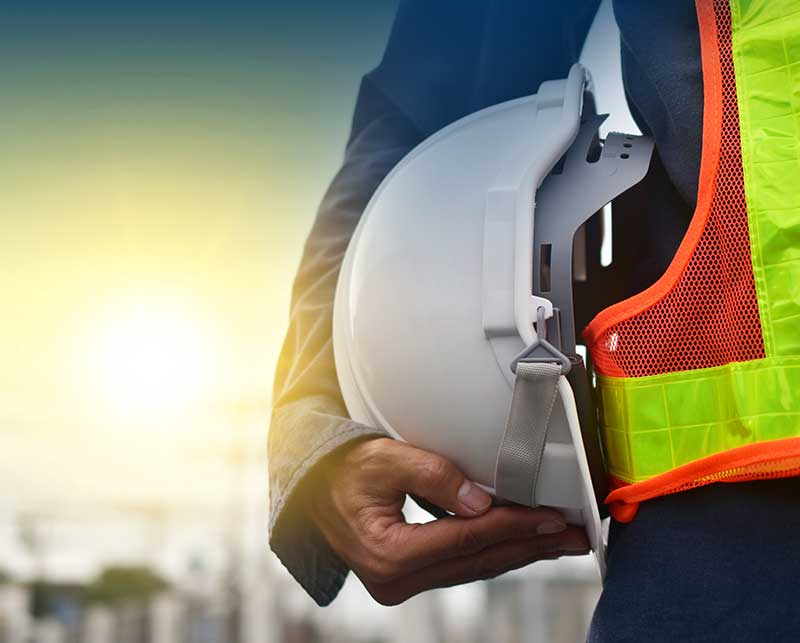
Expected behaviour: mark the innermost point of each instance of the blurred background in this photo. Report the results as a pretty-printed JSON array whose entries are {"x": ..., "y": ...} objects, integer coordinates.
[{"x": 161, "y": 165}]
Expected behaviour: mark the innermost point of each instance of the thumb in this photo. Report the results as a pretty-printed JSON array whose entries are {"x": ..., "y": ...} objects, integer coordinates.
[{"x": 437, "y": 480}]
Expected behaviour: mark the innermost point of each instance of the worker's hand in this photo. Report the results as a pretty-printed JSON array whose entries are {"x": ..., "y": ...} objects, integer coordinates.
[{"x": 357, "y": 504}]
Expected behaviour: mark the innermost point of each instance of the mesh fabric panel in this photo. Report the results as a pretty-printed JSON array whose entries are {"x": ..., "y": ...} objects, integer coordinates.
[{"x": 710, "y": 316}]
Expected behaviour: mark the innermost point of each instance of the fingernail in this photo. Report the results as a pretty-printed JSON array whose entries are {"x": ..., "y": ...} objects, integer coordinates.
[
  {"x": 473, "y": 497},
  {"x": 551, "y": 527}
]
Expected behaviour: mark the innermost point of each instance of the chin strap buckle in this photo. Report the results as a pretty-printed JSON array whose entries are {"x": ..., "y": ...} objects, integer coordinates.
[{"x": 540, "y": 350}]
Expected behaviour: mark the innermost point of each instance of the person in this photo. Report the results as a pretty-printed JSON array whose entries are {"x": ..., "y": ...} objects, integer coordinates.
[{"x": 716, "y": 563}]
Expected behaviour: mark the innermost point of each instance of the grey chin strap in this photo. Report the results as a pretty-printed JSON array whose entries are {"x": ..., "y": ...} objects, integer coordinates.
[{"x": 520, "y": 455}]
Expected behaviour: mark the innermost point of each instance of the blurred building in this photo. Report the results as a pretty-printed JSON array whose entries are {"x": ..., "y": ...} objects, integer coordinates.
[{"x": 550, "y": 602}]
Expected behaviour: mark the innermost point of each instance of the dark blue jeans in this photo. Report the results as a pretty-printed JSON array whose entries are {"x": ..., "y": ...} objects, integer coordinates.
[{"x": 719, "y": 563}]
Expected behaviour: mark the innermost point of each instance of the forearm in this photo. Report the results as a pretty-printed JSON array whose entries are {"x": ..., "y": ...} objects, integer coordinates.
[
  {"x": 308, "y": 431},
  {"x": 309, "y": 418},
  {"x": 442, "y": 61}
]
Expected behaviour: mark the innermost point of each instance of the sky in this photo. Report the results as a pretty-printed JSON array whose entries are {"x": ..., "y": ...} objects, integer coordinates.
[{"x": 161, "y": 166}]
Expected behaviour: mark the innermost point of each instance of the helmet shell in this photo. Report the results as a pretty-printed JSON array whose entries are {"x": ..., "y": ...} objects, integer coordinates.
[{"x": 428, "y": 313}]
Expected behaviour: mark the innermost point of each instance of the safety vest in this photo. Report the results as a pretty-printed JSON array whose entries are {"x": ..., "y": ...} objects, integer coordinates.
[{"x": 698, "y": 376}]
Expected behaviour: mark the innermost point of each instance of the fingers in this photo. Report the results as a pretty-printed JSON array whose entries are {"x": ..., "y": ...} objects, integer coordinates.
[
  {"x": 361, "y": 518},
  {"x": 488, "y": 563},
  {"x": 437, "y": 480},
  {"x": 413, "y": 547}
]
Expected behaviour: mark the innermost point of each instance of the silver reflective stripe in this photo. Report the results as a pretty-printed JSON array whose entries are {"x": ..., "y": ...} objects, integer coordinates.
[{"x": 520, "y": 456}]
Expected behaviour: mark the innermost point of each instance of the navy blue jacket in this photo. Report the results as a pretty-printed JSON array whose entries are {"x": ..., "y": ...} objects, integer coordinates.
[{"x": 714, "y": 564}]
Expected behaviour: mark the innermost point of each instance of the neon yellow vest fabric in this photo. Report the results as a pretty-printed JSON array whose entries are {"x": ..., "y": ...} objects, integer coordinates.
[{"x": 676, "y": 415}]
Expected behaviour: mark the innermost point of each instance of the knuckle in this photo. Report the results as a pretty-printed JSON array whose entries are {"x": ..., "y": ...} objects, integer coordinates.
[
  {"x": 487, "y": 567},
  {"x": 470, "y": 540},
  {"x": 379, "y": 447},
  {"x": 378, "y": 539},
  {"x": 366, "y": 520},
  {"x": 512, "y": 516},
  {"x": 371, "y": 451},
  {"x": 435, "y": 470}
]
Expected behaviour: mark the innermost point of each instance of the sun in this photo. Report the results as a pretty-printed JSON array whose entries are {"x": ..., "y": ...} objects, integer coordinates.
[{"x": 153, "y": 360}]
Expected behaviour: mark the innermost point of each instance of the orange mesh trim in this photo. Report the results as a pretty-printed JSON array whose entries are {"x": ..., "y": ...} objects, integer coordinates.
[
  {"x": 761, "y": 461},
  {"x": 703, "y": 312}
]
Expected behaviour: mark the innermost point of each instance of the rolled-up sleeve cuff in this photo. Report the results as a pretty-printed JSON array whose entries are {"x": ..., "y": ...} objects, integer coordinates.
[{"x": 294, "y": 537}]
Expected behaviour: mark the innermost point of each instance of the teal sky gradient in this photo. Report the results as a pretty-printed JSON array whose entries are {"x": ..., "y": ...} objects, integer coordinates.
[{"x": 157, "y": 158}]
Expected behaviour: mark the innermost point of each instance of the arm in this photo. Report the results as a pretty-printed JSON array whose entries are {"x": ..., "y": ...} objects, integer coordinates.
[
  {"x": 443, "y": 61},
  {"x": 309, "y": 419}
]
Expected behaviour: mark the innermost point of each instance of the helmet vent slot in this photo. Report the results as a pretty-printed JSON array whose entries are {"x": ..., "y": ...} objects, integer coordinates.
[
  {"x": 595, "y": 150},
  {"x": 545, "y": 255}
]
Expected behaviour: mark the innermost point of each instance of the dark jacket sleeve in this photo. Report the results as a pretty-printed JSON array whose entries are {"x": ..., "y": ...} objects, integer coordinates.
[
  {"x": 443, "y": 60},
  {"x": 309, "y": 418}
]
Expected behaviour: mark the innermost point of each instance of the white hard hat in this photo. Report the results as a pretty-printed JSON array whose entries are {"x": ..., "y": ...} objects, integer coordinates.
[{"x": 452, "y": 280}]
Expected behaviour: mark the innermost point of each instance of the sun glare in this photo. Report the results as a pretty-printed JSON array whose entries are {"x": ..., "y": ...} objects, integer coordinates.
[{"x": 153, "y": 361}]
